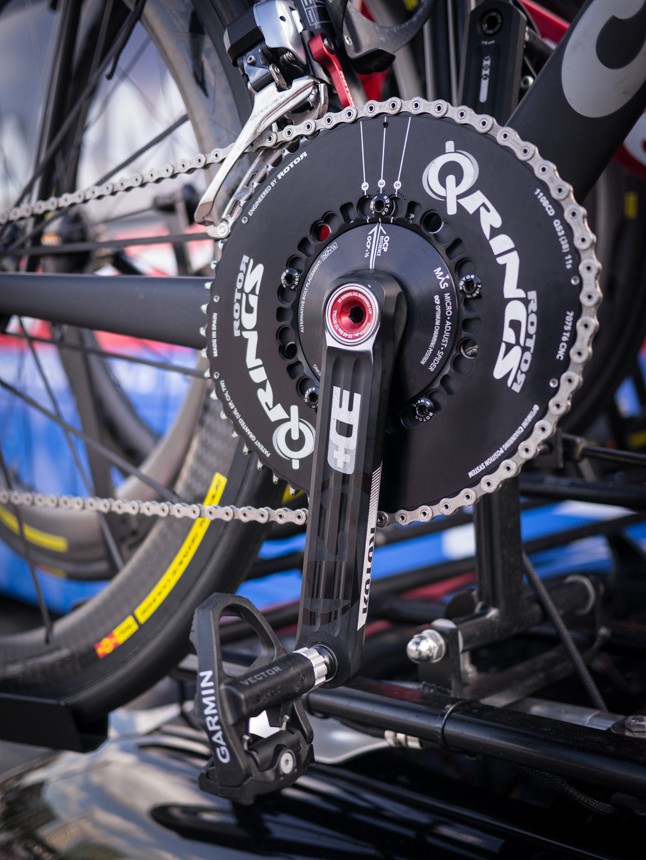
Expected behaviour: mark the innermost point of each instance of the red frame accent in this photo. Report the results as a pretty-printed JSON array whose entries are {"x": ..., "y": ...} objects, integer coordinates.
[{"x": 550, "y": 26}]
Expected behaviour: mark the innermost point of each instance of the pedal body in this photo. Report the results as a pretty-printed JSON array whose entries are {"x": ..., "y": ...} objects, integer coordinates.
[{"x": 243, "y": 764}]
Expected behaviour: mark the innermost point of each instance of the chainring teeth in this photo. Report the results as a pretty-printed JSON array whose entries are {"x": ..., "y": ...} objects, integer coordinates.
[{"x": 583, "y": 241}]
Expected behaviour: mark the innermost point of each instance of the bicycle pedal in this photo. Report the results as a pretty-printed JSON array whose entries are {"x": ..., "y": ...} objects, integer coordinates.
[{"x": 245, "y": 764}]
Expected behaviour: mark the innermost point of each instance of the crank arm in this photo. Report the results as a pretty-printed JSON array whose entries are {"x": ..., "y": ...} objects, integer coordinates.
[
  {"x": 364, "y": 318},
  {"x": 270, "y": 104}
]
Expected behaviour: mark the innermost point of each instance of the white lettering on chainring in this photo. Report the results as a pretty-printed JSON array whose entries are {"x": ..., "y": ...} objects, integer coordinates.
[
  {"x": 520, "y": 320},
  {"x": 447, "y": 187},
  {"x": 344, "y": 428},
  {"x": 592, "y": 89},
  {"x": 287, "y": 436},
  {"x": 292, "y": 429}
]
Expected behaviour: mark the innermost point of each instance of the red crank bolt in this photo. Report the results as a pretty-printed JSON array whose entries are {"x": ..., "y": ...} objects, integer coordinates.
[{"x": 352, "y": 314}]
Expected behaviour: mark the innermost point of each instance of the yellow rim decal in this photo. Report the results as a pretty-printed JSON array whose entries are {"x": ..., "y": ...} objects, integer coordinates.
[
  {"x": 55, "y": 543},
  {"x": 169, "y": 578},
  {"x": 168, "y": 581}
]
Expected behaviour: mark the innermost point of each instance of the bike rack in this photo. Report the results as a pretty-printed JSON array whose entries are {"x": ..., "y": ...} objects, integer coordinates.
[
  {"x": 48, "y": 723},
  {"x": 614, "y": 757},
  {"x": 501, "y": 609}
]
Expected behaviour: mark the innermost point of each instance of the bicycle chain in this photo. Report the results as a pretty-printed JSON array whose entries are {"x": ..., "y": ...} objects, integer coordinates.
[
  {"x": 272, "y": 144},
  {"x": 180, "y": 510}
]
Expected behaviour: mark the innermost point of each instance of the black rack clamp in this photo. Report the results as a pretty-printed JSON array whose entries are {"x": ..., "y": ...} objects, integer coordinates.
[{"x": 364, "y": 319}]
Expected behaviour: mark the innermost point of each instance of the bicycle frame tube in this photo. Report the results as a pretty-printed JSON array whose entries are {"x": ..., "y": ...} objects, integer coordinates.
[
  {"x": 590, "y": 93},
  {"x": 585, "y": 101},
  {"x": 152, "y": 308}
]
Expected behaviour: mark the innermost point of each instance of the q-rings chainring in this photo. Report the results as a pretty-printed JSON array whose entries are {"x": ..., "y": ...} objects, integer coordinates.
[{"x": 498, "y": 267}]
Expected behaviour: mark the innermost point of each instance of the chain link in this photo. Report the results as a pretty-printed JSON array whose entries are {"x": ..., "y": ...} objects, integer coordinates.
[
  {"x": 131, "y": 507},
  {"x": 270, "y": 147},
  {"x": 154, "y": 175}
]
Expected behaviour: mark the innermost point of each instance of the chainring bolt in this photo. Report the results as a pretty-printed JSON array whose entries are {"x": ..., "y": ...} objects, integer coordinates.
[
  {"x": 470, "y": 286},
  {"x": 423, "y": 408},
  {"x": 381, "y": 206},
  {"x": 469, "y": 348},
  {"x": 311, "y": 396},
  {"x": 288, "y": 350},
  {"x": 290, "y": 278}
]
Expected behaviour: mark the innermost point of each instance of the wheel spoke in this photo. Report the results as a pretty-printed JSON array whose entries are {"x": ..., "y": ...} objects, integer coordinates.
[
  {"x": 109, "y": 538},
  {"x": 114, "y": 458},
  {"x": 158, "y": 364}
]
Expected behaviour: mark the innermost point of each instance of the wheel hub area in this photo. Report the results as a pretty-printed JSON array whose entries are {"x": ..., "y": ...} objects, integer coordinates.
[
  {"x": 431, "y": 294},
  {"x": 492, "y": 276}
]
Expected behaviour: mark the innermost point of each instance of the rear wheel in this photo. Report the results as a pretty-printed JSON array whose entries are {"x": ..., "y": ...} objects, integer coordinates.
[{"x": 128, "y": 91}]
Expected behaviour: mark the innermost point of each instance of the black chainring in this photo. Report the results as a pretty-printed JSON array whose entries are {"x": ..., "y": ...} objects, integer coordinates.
[{"x": 485, "y": 256}]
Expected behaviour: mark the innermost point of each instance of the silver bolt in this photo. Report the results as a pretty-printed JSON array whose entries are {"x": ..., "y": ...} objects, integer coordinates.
[
  {"x": 287, "y": 762},
  {"x": 636, "y": 723},
  {"x": 469, "y": 349},
  {"x": 290, "y": 278},
  {"x": 426, "y": 647}
]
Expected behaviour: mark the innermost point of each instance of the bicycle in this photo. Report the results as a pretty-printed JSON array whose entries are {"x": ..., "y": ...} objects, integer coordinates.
[{"x": 102, "y": 654}]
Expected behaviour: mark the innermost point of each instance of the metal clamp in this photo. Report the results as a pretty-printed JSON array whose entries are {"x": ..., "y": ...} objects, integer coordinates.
[{"x": 270, "y": 104}]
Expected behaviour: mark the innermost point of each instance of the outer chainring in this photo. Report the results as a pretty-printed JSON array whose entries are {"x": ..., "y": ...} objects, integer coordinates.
[{"x": 499, "y": 272}]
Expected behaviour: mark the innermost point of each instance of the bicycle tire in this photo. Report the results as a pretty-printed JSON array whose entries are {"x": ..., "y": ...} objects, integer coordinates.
[{"x": 117, "y": 644}]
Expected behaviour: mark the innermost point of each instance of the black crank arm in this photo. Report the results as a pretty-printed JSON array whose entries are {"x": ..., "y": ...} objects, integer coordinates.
[{"x": 364, "y": 318}]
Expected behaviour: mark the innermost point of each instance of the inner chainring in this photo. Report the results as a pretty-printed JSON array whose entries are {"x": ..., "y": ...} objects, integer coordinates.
[{"x": 498, "y": 268}]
